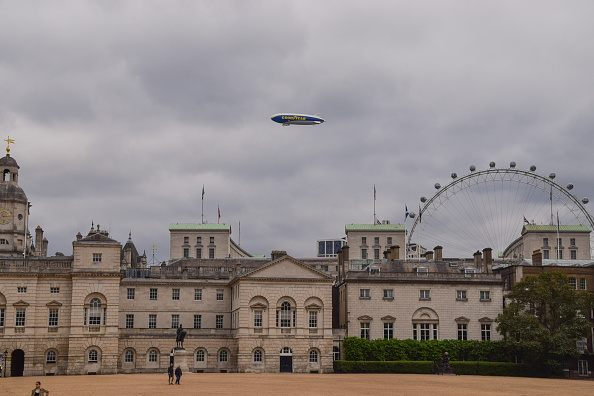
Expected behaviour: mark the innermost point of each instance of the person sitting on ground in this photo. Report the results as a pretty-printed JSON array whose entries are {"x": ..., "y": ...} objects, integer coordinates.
[{"x": 39, "y": 391}]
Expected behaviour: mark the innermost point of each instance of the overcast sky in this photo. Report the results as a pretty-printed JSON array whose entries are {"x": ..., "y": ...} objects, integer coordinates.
[{"x": 122, "y": 110}]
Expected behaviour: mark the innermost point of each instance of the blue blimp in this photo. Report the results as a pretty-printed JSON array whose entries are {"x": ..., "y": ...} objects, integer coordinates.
[{"x": 297, "y": 119}]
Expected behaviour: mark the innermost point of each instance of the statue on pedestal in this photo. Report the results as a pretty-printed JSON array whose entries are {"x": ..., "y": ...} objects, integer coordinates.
[{"x": 179, "y": 338}]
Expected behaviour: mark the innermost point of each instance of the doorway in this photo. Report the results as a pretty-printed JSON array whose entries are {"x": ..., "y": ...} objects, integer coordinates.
[
  {"x": 286, "y": 360},
  {"x": 17, "y": 364}
]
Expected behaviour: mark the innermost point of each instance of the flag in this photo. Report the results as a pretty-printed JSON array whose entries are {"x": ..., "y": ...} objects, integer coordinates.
[
  {"x": 219, "y": 211},
  {"x": 405, "y": 212},
  {"x": 378, "y": 222},
  {"x": 203, "y": 191},
  {"x": 526, "y": 221},
  {"x": 420, "y": 213}
]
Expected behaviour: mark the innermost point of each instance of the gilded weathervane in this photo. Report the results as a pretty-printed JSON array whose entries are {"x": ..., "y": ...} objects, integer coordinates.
[{"x": 8, "y": 141}]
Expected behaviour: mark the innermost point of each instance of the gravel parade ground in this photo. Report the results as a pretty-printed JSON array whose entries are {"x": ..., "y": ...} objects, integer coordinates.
[{"x": 296, "y": 384}]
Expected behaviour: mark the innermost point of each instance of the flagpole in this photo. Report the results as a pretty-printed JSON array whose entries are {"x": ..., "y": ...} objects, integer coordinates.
[
  {"x": 551, "y": 199},
  {"x": 558, "y": 236},
  {"x": 374, "y": 216},
  {"x": 203, "y": 204}
]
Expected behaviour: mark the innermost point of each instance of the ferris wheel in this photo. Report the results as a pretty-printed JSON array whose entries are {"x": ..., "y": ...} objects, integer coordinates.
[{"x": 487, "y": 208}]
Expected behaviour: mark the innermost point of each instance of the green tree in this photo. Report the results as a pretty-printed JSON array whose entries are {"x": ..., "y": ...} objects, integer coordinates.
[{"x": 547, "y": 314}]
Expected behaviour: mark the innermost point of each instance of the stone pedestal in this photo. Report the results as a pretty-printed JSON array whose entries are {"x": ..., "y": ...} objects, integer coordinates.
[{"x": 181, "y": 359}]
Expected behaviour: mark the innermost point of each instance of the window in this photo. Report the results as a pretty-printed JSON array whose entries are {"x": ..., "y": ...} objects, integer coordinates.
[
  {"x": 219, "y": 321},
  {"x": 211, "y": 239},
  {"x": 174, "y": 321},
  {"x": 389, "y": 240},
  {"x": 485, "y": 332},
  {"x": 313, "y": 356},
  {"x": 376, "y": 240},
  {"x": 313, "y": 319},
  {"x": 258, "y": 318},
  {"x": 365, "y": 330},
  {"x": 197, "y": 294},
  {"x": 54, "y": 290},
  {"x": 152, "y": 294},
  {"x": 153, "y": 356},
  {"x": 200, "y": 356},
  {"x": 186, "y": 252},
  {"x": 53, "y": 318},
  {"x": 211, "y": 253},
  {"x": 198, "y": 253},
  {"x": 485, "y": 295},
  {"x": 152, "y": 323},
  {"x": 422, "y": 271},
  {"x": 95, "y": 312},
  {"x": 545, "y": 254},
  {"x": 425, "y": 331},
  {"x": 93, "y": 356},
  {"x": 461, "y": 295},
  {"x": 376, "y": 254},
  {"x": 198, "y": 239},
  {"x": 363, "y": 240},
  {"x": 424, "y": 295},
  {"x": 582, "y": 283},
  {"x": 96, "y": 257},
  {"x": 1, "y": 317},
  {"x": 175, "y": 294},
  {"x": 3, "y": 241},
  {"x": 285, "y": 314},
  {"x": 582, "y": 367},
  {"x": 220, "y": 294},
  {"x": 197, "y": 321},
  {"x": 223, "y": 356},
  {"x": 388, "y": 293},
  {"x": 572, "y": 241},
  {"x": 50, "y": 357},
  {"x": 257, "y": 355},
  {"x": 462, "y": 331},
  {"x": 559, "y": 241},
  {"x": 186, "y": 239},
  {"x": 130, "y": 321},
  {"x": 364, "y": 254},
  {"x": 560, "y": 253},
  {"x": 129, "y": 356},
  {"x": 364, "y": 293},
  {"x": 545, "y": 241},
  {"x": 130, "y": 294},
  {"x": 21, "y": 290},
  {"x": 573, "y": 254},
  {"x": 573, "y": 283},
  {"x": 388, "y": 331}
]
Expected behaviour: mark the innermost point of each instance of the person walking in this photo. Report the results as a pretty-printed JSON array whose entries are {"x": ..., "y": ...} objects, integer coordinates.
[
  {"x": 39, "y": 391},
  {"x": 178, "y": 374},
  {"x": 170, "y": 373}
]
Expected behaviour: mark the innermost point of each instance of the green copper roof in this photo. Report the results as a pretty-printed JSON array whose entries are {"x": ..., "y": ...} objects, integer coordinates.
[
  {"x": 195, "y": 226},
  {"x": 577, "y": 228},
  {"x": 374, "y": 227}
]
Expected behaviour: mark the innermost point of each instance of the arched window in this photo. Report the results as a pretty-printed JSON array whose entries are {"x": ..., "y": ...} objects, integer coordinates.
[
  {"x": 313, "y": 356},
  {"x": 285, "y": 314},
  {"x": 93, "y": 356},
  {"x": 50, "y": 357},
  {"x": 200, "y": 356},
  {"x": 257, "y": 355},
  {"x": 223, "y": 356},
  {"x": 129, "y": 356},
  {"x": 95, "y": 312},
  {"x": 153, "y": 356}
]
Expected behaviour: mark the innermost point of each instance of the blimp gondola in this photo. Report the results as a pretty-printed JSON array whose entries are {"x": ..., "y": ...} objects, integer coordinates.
[{"x": 297, "y": 119}]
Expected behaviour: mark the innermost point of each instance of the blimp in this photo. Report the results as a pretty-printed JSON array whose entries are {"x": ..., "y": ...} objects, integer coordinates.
[{"x": 297, "y": 119}]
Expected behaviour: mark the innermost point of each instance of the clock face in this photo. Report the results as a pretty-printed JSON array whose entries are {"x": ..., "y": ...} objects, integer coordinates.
[{"x": 5, "y": 216}]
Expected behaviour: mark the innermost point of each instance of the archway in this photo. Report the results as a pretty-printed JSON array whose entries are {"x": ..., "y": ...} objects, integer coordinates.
[{"x": 17, "y": 364}]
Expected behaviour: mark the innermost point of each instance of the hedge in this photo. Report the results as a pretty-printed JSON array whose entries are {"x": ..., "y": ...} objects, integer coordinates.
[
  {"x": 497, "y": 369},
  {"x": 402, "y": 367}
]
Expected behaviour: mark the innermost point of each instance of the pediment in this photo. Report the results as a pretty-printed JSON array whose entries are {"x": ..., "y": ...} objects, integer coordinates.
[
  {"x": 486, "y": 320},
  {"x": 365, "y": 317},
  {"x": 53, "y": 303},
  {"x": 462, "y": 319},
  {"x": 97, "y": 238},
  {"x": 287, "y": 268},
  {"x": 388, "y": 318},
  {"x": 258, "y": 305},
  {"x": 313, "y": 307},
  {"x": 21, "y": 303}
]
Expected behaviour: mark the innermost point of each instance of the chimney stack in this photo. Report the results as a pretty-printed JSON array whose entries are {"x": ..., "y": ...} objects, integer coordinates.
[
  {"x": 537, "y": 258},
  {"x": 478, "y": 260},
  {"x": 276, "y": 254},
  {"x": 438, "y": 253},
  {"x": 488, "y": 260},
  {"x": 429, "y": 255}
]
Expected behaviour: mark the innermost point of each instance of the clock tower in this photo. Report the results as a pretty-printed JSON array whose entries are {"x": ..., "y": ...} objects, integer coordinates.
[{"x": 14, "y": 236}]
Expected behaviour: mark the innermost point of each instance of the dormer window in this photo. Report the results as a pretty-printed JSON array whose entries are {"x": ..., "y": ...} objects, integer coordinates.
[{"x": 422, "y": 271}]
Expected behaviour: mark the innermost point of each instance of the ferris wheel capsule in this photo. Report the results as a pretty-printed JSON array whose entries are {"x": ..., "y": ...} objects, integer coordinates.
[
  {"x": 492, "y": 164},
  {"x": 423, "y": 199},
  {"x": 437, "y": 186},
  {"x": 532, "y": 168},
  {"x": 570, "y": 186},
  {"x": 512, "y": 164},
  {"x": 472, "y": 168},
  {"x": 412, "y": 215},
  {"x": 453, "y": 175},
  {"x": 552, "y": 176},
  {"x": 585, "y": 200}
]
